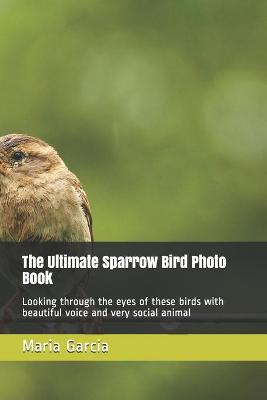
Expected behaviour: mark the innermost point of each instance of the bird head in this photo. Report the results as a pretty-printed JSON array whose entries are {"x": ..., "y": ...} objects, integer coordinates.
[{"x": 25, "y": 158}]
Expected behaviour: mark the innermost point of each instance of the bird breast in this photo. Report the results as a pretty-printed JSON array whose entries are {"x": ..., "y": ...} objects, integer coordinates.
[{"x": 50, "y": 212}]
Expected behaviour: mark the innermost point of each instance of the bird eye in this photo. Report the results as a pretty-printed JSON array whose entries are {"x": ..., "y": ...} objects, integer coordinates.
[{"x": 17, "y": 156}]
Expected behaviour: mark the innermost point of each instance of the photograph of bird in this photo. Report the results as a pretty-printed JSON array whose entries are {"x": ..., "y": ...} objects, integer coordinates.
[{"x": 41, "y": 200}]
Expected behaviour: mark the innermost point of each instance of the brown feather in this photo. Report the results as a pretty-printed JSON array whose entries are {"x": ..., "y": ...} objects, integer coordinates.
[{"x": 84, "y": 204}]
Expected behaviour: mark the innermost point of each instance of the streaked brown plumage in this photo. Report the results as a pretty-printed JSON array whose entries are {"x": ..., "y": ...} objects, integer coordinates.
[{"x": 40, "y": 199}]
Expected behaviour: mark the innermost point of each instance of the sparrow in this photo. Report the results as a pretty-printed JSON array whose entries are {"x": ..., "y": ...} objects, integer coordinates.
[{"x": 40, "y": 200}]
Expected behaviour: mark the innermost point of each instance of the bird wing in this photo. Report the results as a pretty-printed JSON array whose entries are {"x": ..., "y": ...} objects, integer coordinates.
[
  {"x": 85, "y": 205},
  {"x": 87, "y": 211}
]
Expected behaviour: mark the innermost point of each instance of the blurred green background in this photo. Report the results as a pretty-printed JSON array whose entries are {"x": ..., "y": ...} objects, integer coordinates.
[
  {"x": 132, "y": 381},
  {"x": 160, "y": 107}
]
